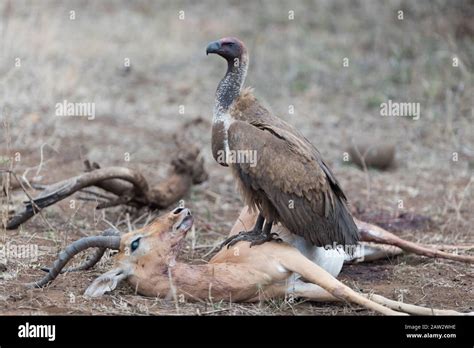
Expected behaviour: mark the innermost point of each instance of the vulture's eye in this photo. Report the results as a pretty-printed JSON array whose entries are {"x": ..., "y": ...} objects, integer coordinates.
[{"x": 135, "y": 244}]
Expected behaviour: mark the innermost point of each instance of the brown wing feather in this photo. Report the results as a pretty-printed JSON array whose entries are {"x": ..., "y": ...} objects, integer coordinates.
[
  {"x": 247, "y": 108},
  {"x": 304, "y": 193}
]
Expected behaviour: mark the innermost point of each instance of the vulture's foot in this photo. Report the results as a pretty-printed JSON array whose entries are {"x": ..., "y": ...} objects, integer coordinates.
[
  {"x": 255, "y": 237},
  {"x": 268, "y": 238}
]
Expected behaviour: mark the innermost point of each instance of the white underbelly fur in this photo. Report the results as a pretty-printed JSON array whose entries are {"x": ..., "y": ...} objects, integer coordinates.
[{"x": 329, "y": 259}]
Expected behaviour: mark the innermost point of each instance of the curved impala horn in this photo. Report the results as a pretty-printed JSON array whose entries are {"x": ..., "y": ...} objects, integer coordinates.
[
  {"x": 95, "y": 257},
  {"x": 102, "y": 242}
]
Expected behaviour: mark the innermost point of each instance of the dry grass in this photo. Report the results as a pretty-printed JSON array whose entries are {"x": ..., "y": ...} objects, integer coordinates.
[{"x": 297, "y": 63}]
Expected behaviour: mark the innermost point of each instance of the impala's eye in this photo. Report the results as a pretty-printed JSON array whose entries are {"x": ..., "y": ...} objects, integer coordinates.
[{"x": 135, "y": 244}]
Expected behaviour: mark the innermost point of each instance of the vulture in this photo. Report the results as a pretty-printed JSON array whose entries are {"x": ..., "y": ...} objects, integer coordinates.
[{"x": 278, "y": 171}]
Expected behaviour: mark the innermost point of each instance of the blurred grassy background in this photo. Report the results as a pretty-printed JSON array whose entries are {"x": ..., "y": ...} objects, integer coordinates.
[{"x": 293, "y": 62}]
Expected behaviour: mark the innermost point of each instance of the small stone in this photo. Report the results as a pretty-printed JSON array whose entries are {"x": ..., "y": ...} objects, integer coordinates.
[{"x": 375, "y": 155}]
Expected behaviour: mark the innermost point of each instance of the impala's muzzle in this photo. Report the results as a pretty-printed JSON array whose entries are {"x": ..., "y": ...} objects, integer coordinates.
[{"x": 185, "y": 219}]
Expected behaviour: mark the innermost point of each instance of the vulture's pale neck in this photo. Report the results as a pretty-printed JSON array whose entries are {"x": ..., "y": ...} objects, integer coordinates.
[
  {"x": 230, "y": 86},
  {"x": 228, "y": 89}
]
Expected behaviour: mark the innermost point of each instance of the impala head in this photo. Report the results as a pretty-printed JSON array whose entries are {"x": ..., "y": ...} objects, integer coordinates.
[
  {"x": 150, "y": 247},
  {"x": 230, "y": 48},
  {"x": 156, "y": 241},
  {"x": 153, "y": 247}
]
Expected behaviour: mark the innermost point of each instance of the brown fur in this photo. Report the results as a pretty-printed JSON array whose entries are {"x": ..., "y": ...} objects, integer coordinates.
[
  {"x": 156, "y": 273},
  {"x": 237, "y": 274}
]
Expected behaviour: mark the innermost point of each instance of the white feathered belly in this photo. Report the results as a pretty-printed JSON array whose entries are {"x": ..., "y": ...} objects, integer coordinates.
[{"x": 330, "y": 260}]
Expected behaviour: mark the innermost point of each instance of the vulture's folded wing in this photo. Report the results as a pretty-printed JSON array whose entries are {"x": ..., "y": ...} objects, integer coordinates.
[{"x": 293, "y": 177}]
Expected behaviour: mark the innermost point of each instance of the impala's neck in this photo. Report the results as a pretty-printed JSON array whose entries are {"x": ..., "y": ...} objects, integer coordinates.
[
  {"x": 198, "y": 282},
  {"x": 160, "y": 279}
]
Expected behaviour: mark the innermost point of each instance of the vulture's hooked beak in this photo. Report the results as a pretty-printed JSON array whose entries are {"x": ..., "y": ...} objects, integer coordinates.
[{"x": 213, "y": 47}]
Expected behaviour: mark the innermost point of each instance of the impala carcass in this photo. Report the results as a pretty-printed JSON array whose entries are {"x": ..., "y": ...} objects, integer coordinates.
[{"x": 147, "y": 259}]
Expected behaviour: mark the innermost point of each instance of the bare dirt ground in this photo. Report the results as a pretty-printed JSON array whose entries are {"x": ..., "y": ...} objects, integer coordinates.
[{"x": 47, "y": 57}]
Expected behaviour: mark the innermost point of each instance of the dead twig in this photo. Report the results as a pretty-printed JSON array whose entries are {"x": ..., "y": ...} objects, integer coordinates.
[{"x": 128, "y": 185}]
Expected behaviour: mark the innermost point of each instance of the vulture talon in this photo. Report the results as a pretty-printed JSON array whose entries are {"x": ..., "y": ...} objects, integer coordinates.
[
  {"x": 272, "y": 237},
  {"x": 254, "y": 236},
  {"x": 248, "y": 236}
]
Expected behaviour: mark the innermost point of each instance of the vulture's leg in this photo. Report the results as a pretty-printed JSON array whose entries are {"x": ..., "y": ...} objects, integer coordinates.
[
  {"x": 255, "y": 231},
  {"x": 267, "y": 235},
  {"x": 259, "y": 234}
]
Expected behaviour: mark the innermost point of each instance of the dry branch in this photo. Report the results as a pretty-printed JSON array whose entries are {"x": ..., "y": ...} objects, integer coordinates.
[{"x": 129, "y": 185}]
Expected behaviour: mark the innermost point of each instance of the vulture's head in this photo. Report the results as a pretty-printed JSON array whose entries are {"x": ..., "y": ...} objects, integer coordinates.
[{"x": 229, "y": 48}]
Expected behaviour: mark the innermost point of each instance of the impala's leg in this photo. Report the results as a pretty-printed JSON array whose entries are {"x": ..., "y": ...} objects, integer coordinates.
[
  {"x": 372, "y": 252},
  {"x": 412, "y": 309},
  {"x": 294, "y": 261},
  {"x": 316, "y": 293},
  {"x": 372, "y": 233},
  {"x": 310, "y": 291}
]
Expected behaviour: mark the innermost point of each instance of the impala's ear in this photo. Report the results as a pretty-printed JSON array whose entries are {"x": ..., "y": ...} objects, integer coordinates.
[{"x": 106, "y": 282}]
